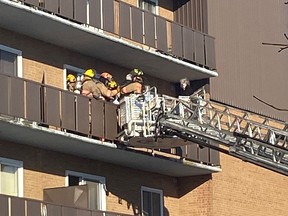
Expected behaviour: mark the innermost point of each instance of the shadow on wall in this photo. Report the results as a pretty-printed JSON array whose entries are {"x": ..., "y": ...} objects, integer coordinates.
[{"x": 188, "y": 184}]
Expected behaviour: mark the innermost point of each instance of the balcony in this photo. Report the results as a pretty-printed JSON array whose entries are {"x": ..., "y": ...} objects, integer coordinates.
[
  {"x": 154, "y": 44},
  {"x": 55, "y": 119},
  {"x": 15, "y": 206}
]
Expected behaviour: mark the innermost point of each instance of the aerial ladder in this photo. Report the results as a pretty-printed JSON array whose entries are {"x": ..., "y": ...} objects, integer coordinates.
[{"x": 151, "y": 120}]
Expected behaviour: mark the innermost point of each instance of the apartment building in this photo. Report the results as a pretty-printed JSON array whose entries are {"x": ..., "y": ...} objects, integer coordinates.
[{"x": 61, "y": 153}]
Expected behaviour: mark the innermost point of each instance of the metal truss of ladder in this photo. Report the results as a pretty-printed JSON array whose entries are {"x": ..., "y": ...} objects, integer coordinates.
[{"x": 200, "y": 120}]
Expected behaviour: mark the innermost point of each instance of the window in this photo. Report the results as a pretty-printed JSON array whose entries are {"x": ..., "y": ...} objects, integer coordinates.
[
  {"x": 68, "y": 69},
  {"x": 96, "y": 188},
  {"x": 151, "y": 201},
  {"x": 11, "y": 177},
  {"x": 10, "y": 61},
  {"x": 149, "y": 5}
]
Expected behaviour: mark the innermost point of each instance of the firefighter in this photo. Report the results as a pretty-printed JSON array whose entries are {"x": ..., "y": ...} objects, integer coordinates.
[
  {"x": 109, "y": 87},
  {"x": 89, "y": 86},
  {"x": 134, "y": 82},
  {"x": 71, "y": 82}
]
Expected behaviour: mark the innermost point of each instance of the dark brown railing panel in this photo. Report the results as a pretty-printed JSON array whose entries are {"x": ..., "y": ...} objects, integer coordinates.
[
  {"x": 4, "y": 94},
  {"x": 95, "y": 13},
  {"x": 108, "y": 15},
  {"x": 81, "y": 212},
  {"x": 204, "y": 155},
  {"x": 67, "y": 211},
  {"x": 33, "y": 107},
  {"x": 124, "y": 20},
  {"x": 17, "y": 97},
  {"x": 137, "y": 23},
  {"x": 32, "y": 2},
  {"x": 193, "y": 152},
  {"x": 52, "y": 5},
  {"x": 161, "y": 30},
  {"x": 149, "y": 29},
  {"x": 52, "y": 107},
  {"x": 97, "y": 118},
  {"x": 199, "y": 48},
  {"x": 33, "y": 208},
  {"x": 80, "y": 11},
  {"x": 110, "y": 119},
  {"x": 66, "y": 8},
  {"x": 54, "y": 210},
  {"x": 214, "y": 157},
  {"x": 188, "y": 44},
  {"x": 82, "y": 114},
  {"x": 177, "y": 40},
  {"x": 210, "y": 52},
  {"x": 68, "y": 110},
  {"x": 4, "y": 210},
  {"x": 17, "y": 206}
]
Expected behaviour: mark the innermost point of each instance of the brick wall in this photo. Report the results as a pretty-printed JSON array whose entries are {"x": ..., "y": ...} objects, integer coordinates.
[
  {"x": 246, "y": 189},
  {"x": 46, "y": 169}
]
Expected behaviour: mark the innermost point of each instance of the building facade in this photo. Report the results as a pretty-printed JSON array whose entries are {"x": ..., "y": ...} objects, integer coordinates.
[{"x": 59, "y": 150}]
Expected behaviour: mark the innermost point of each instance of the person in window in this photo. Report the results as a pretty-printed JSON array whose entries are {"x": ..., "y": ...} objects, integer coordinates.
[
  {"x": 185, "y": 87},
  {"x": 134, "y": 82},
  {"x": 71, "y": 82}
]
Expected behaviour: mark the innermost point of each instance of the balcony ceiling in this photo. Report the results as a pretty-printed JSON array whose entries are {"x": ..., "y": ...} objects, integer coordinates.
[
  {"x": 55, "y": 30},
  {"x": 45, "y": 138}
]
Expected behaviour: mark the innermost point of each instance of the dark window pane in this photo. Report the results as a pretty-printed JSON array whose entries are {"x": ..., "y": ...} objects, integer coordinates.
[
  {"x": 73, "y": 180},
  {"x": 8, "y": 63}
]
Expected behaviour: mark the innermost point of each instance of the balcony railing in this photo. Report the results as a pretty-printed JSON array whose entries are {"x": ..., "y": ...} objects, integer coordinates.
[
  {"x": 15, "y": 206},
  {"x": 126, "y": 21},
  {"x": 50, "y": 106}
]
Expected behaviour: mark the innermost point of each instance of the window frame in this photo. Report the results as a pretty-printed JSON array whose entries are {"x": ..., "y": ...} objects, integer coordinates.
[
  {"x": 156, "y": 6},
  {"x": 152, "y": 190},
  {"x": 20, "y": 170},
  {"x": 19, "y": 58},
  {"x": 73, "y": 68},
  {"x": 99, "y": 179}
]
